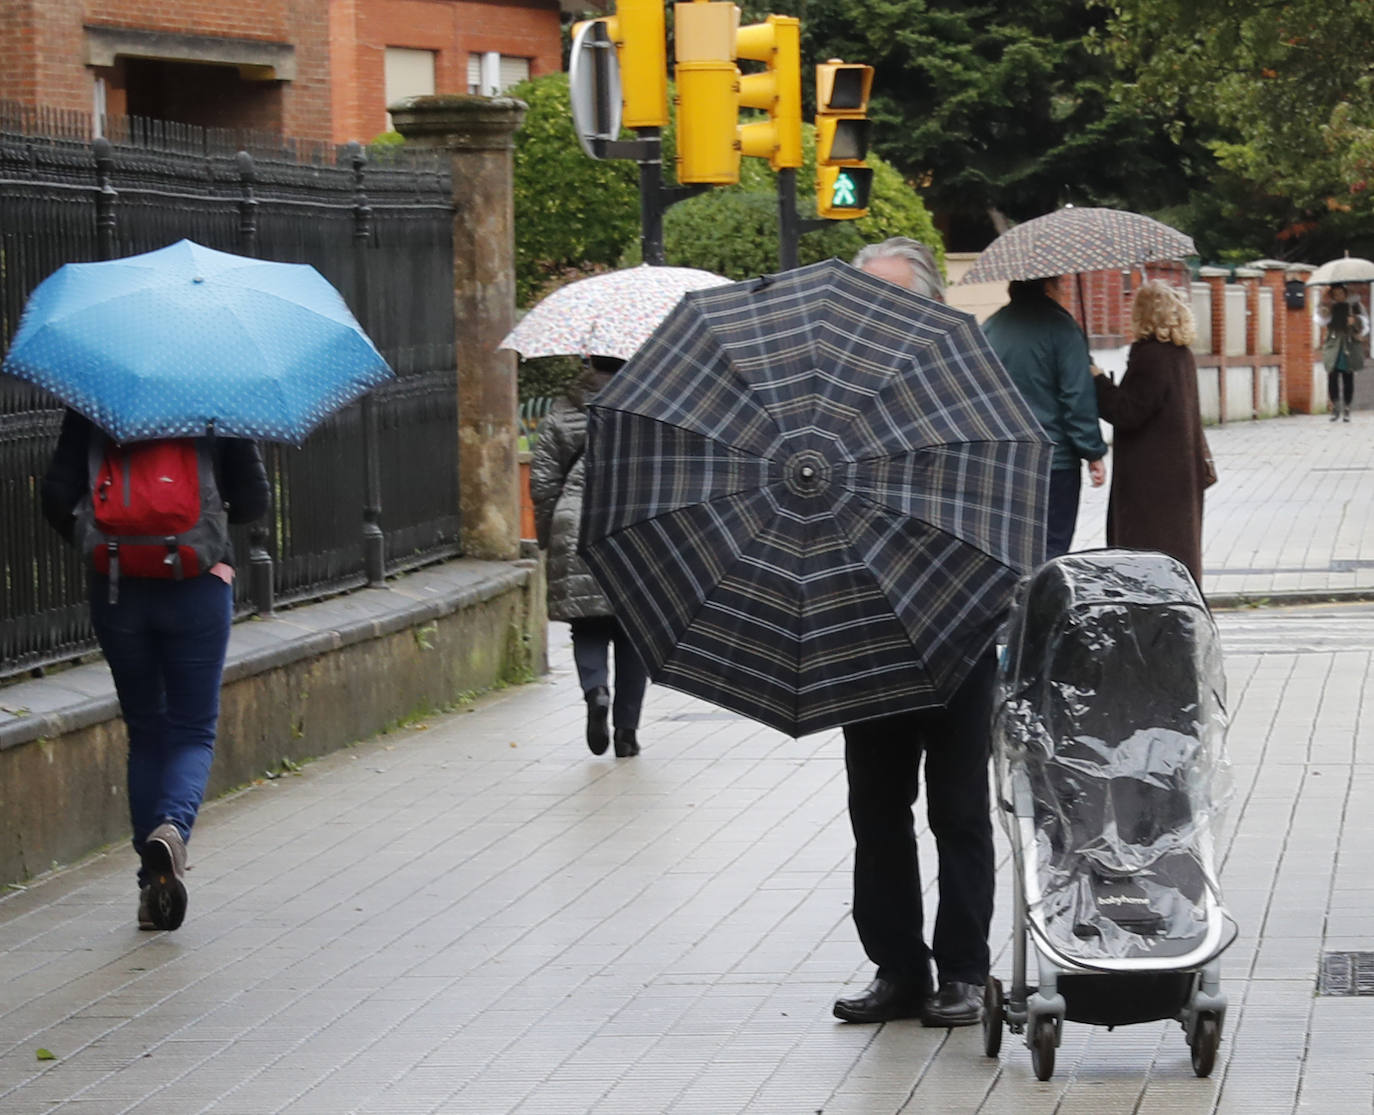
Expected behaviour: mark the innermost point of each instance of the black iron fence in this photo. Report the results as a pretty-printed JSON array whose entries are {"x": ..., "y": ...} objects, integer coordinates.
[{"x": 375, "y": 488}]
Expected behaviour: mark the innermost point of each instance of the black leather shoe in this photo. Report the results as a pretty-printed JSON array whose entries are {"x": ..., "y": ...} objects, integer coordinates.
[
  {"x": 955, "y": 1004},
  {"x": 626, "y": 743},
  {"x": 598, "y": 715},
  {"x": 881, "y": 1001}
]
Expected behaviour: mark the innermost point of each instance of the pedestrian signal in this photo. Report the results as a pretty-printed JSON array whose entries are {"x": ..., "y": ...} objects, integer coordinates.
[
  {"x": 843, "y": 183},
  {"x": 843, "y": 192}
]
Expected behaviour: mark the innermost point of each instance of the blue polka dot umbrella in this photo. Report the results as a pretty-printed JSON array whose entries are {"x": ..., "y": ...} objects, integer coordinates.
[{"x": 187, "y": 340}]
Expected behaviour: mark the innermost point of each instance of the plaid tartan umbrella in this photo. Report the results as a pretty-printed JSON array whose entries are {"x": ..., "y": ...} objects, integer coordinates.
[
  {"x": 809, "y": 497},
  {"x": 1070, "y": 240}
]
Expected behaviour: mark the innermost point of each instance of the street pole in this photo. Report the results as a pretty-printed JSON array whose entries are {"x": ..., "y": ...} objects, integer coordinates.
[
  {"x": 788, "y": 227},
  {"x": 651, "y": 195}
]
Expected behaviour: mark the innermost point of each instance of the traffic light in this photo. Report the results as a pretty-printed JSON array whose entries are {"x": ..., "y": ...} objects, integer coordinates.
[
  {"x": 707, "y": 92},
  {"x": 777, "y": 90},
  {"x": 637, "y": 30},
  {"x": 711, "y": 90},
  {"x": 843, "y": 183}
]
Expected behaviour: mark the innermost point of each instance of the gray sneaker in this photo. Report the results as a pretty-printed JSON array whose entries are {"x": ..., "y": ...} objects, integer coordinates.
[{"x": 164, "y": 861}]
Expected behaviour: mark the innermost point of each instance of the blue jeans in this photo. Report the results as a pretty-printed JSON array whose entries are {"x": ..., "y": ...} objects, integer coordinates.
[{"x": 165, "y": 642}]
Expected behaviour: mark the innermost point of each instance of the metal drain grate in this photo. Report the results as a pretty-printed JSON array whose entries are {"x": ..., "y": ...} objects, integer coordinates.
[{"x": 1347, "y": 973}]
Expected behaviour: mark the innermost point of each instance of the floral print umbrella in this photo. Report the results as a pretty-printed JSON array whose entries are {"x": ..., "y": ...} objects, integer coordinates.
[
  {"x": 605, "y": 315},
  {"x": 1071, "y": 240}
]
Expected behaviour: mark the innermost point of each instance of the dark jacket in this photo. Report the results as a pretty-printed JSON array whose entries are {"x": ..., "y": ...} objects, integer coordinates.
[
  {"x": 1046, "y": 355},
  {"x": 239, "y": 472},
  {"x": 557, "y": 467},
  {"x": 1157, "y": 453}
]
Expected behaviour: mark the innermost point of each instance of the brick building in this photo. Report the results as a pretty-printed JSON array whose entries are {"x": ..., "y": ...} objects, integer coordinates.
[
  {"x": 312, "y": 69},
  {"x": 384, "y": 50}
]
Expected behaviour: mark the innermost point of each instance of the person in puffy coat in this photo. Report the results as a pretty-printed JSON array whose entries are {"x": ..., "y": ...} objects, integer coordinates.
[{"x": 557, "y": 468}]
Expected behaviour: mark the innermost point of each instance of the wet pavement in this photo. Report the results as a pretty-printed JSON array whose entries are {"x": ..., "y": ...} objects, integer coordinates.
[{"x": 474, "y": 915}]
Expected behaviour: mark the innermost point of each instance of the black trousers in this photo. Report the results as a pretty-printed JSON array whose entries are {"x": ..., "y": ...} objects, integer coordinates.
[
  {"x": 591, "y": 640},
  {"x": 882, "y": 758},
  {"x": 1338, "y": 381},
  {"x": 1066, "y": 485}
]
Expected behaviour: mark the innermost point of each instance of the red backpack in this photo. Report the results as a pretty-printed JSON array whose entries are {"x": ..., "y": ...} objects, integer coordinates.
[{"x": 153, "y": 510}]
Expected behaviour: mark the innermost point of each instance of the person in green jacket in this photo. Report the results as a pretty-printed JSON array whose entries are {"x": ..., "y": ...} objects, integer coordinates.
[{"x": 1046, "y": 355}]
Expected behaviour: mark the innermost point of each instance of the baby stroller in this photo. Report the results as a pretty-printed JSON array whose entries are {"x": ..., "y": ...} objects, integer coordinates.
[{"x": 1108, "y": 743}]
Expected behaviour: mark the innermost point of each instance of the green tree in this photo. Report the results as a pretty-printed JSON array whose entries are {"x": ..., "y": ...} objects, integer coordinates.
[
  {"x": 1000, "y": 110},
  {"x": 1289, "y": 91}
]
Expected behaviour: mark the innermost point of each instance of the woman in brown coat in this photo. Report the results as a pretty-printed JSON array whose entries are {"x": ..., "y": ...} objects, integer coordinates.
[{"x": 1159, "y": 453}]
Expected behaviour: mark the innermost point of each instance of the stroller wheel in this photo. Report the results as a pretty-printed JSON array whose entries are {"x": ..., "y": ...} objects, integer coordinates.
[
  {"x": 1206, "y": 1038},
  {"x": 1042, "y": 1048},
  {"x": 992, "y": 1016}
]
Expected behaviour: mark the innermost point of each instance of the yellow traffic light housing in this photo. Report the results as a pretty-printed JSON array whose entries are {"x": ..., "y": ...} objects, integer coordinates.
[
  {"x": 777, "y": 90},
  {"x": 711, "y": 90},
  {"x": 843, "y": 182},
  {"x": 707, "y": 93},
  {"x": 638, "y": 30}
]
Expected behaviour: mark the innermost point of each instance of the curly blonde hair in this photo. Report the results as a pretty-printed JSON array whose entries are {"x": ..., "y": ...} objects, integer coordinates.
[{"x": 1160, "y": 312}]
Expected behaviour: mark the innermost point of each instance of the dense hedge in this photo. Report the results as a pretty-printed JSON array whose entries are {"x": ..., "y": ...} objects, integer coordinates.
[{"x": 572, "y": 212}]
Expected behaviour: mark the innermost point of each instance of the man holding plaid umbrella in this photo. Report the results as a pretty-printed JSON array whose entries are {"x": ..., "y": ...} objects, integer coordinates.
[{"x": 883, "y": 761}]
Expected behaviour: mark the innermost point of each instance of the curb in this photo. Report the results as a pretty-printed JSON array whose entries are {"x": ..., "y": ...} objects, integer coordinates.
[{"x": 1287, "y": 598}]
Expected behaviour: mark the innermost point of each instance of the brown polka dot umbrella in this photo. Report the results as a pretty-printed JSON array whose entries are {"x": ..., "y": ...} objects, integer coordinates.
[{"x": 1071, "y": 240}]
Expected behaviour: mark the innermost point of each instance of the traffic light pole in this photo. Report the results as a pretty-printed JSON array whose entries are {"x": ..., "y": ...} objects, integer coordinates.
[
  {"x": 651, "y": 201},
  {"x": 790, "y": 226},
  {"x": 654, "y": 197}
]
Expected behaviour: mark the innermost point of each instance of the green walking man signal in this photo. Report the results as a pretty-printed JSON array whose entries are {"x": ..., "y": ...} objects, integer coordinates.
[{"x": 843, "y": 195}]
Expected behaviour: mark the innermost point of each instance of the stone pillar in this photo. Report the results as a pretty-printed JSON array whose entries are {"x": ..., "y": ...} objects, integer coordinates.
[
  {"x": 478, "y": 133},
  {"x": 1297, "y": 350}
]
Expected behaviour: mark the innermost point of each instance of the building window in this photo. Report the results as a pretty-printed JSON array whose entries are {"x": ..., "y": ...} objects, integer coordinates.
[
  {"x": 409, "y": 73},
  {"x": 490, "y": 74}
]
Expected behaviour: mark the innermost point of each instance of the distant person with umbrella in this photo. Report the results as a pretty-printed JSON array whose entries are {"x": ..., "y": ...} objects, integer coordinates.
[
  {"x": 172, "y": 363},
  {"x": 883, "y": 763},
  {"x": 1159, "y": 453},
  {"x": 1046, "y": 354},
  {"x": 1346, "y": 325},
  {"x": 557, "y": 472}
]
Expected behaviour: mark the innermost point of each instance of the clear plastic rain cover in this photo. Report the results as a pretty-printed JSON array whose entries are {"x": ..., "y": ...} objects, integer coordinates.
[{"x": 1110, "y": 734}]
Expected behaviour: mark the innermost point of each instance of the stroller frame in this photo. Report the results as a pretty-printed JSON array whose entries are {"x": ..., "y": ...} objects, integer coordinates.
[
  {"x": 1038, "y": 1012},
  {"x": 1180, "y": 981}
]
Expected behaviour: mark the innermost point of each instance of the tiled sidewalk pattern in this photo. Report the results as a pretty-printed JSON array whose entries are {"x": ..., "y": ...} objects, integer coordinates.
[{"x": 474, "y": 915}]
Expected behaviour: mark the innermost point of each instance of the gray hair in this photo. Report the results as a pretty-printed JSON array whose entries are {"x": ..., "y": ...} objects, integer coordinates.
[{"x": 920, "y": 258}]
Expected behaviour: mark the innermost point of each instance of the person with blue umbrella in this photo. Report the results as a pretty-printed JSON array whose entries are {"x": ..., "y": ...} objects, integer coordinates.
[
  {"x": 165, "y": 639},
  {"x": 171, "y": 363}
]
